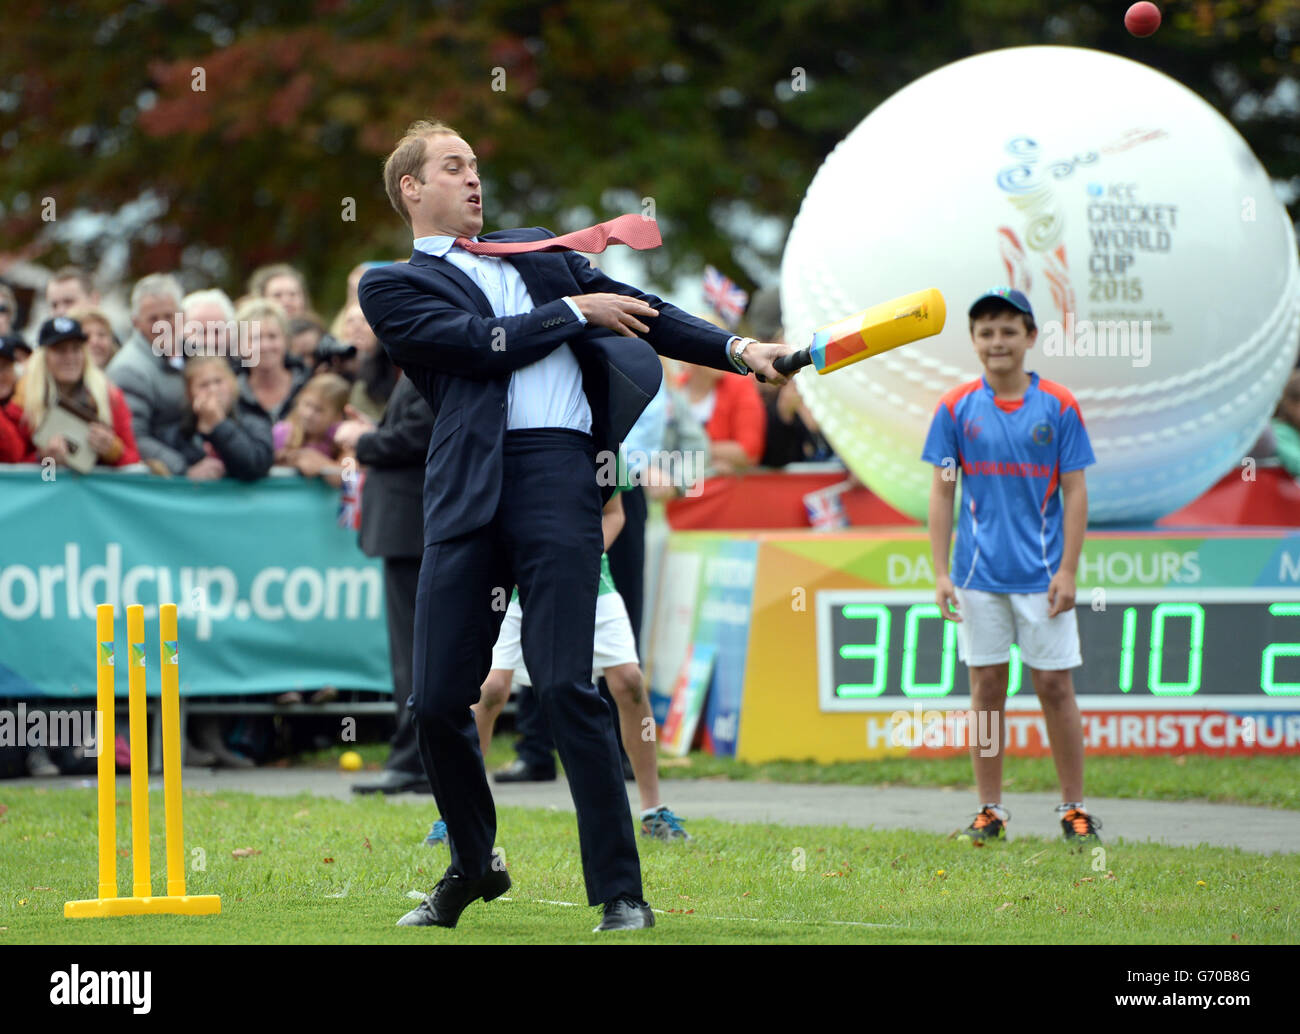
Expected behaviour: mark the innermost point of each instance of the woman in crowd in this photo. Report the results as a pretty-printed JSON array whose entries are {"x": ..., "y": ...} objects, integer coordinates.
[
  {"x": 62, "y": 372},
  {"x": 271, "y": 383},
  {"x": 731, "y": 412},
  {"x": 282, "y": 284},
  {"x": 100, "y": 339},
  {"x": 224, "y": 434}
]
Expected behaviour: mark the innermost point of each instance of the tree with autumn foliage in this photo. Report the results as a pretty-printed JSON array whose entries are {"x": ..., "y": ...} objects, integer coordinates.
[{"x": 212, "y": 137}]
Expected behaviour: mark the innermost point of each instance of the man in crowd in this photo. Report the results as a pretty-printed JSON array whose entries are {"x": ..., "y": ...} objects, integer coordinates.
[
  {"x": 150, "y": 370},
  {"x": 210, "y": 319},
  {"x": 70, "y": 288}
]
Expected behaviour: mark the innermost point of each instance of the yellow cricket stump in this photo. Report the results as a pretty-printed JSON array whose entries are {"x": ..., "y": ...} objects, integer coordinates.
[{"x": 142, "y": 902}]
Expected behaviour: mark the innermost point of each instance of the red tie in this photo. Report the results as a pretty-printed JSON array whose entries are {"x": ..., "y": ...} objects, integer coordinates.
[{"x": 635, "y": 231}]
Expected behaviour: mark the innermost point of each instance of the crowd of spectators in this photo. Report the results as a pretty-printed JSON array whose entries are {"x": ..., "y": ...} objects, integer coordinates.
[
  {"x": 293, "y": 378},
  {"x": 203, "y": 387},
  {"x": 198, "y": 385}
]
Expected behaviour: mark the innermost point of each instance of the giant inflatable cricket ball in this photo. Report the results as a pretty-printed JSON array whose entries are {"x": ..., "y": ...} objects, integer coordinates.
[{"x": 1161, "y": 267}]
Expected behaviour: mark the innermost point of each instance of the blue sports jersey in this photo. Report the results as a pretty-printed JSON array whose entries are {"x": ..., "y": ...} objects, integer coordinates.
[{"x": 1012, "y": 454}]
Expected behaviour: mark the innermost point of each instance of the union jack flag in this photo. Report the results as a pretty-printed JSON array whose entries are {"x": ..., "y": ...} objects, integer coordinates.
[
  {"x": 727, "y": 299},
  {"x": 350, "y": 500},
  {"x": 825, "y": 508}
]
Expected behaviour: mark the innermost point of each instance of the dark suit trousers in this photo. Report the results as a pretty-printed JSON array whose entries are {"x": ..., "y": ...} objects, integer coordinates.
[
  {"x": 545, "y": 537},
  {"x": 627, "y": 566},
  {"x": 401, "y": 580}
]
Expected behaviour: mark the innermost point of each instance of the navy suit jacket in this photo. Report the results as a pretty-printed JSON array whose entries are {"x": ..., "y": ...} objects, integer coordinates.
[{"x": 438, "y": 326}]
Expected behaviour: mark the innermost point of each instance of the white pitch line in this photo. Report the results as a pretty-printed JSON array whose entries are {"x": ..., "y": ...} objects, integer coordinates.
[{"x": 725, "y": 919}]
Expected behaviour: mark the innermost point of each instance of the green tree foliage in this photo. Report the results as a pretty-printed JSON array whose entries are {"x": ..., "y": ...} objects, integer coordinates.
[{"x": 252, "y": 122}]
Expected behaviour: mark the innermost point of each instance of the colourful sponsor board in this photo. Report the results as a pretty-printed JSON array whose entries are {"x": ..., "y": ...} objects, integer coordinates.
[
  {"x": 945, "y": 733},
  {"x": 845, "y": 630},
  {"x": 704, "y": 599},
  {"x": 688, "y": 700}
]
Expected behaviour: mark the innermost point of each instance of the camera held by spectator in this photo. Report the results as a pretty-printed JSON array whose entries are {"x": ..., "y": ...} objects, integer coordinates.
[{"x": 335, "y": 356}]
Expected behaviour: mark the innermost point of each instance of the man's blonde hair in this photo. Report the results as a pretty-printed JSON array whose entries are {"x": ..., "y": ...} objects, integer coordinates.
[{"x": 408, "y": 159}]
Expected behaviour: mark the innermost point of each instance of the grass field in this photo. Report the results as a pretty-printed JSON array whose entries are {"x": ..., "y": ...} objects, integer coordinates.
[
  {"x": 1268, "y": 781},
  {"x": 329, "y": 871}
]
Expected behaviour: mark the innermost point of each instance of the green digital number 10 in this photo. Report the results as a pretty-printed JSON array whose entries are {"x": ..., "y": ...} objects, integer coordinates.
[{"x": 1195, "y": 615}]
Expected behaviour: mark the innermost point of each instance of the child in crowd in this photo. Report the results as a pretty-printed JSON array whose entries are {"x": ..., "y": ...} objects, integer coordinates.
[
  {"x": 305, "y": 439},
  {"x": 225, "y": 434}
]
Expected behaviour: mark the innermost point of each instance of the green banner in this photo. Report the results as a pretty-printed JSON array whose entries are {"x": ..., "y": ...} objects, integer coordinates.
[
  {"x": 272, "y": 594},
  {"x": 1225, "y": 558}
]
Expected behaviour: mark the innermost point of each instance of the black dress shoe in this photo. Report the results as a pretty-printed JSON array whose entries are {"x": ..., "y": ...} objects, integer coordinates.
[
  {"x": 392, "y": 780},
  {"x": 452, "y": 894},
  {"x": 626, "y": 913},
  {"x": 519, "y": 771}
]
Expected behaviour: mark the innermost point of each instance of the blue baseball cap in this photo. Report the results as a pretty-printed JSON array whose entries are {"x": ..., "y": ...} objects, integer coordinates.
[
  {"x": 1007, "y": 294},
  {"x": 59, "y": 329},
  {"x": 10, "y": 344}
]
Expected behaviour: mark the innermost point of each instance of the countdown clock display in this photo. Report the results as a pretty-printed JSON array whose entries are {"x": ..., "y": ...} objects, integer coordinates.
[{"x": 1228, "y": 649}]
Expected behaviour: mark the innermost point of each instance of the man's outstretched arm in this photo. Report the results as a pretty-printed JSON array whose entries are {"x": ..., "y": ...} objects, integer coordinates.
[
  {"x": 678, "y": 334},
  {"x": 422, "y": 329}
]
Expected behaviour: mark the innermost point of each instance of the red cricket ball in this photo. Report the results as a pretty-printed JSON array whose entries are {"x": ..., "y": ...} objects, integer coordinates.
[{"x": 1142, "y": 19}]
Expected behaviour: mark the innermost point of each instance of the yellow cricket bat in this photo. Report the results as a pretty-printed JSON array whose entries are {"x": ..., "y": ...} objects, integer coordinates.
[{"x": 869, "y": 332}]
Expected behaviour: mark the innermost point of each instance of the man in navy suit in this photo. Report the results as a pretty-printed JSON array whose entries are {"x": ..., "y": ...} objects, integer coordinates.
[{"x": 534, "y": 370}]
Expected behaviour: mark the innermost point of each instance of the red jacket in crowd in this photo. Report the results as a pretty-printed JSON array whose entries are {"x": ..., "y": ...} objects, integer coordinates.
[
  {"x": 15, "y": 441},
  {"x": 121, "y": 412},
  {"x": 738, "y": 416}
]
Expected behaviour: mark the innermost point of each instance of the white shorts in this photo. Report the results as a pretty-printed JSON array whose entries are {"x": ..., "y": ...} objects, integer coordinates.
[
  {"x": 992, "y": 621},
  {"x": 614, "y": 644}
]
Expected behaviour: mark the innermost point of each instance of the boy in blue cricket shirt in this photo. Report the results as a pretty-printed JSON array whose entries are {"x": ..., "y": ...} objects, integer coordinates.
[{"x": 1021, "y": 446}]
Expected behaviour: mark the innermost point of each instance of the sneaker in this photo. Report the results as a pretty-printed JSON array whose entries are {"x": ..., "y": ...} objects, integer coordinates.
[
  {"x": 197, "y": 757},
  {"x": 437, "y": 835},
  {"x": 39, "y": 763},
  {"x": 662, "y": 824},
  {"x": 984, "y": 827},
  {"x": 1080, "y": 827}
]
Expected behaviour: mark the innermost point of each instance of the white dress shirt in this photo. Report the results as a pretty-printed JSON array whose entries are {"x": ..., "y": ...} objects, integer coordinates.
[{"x": 548, "y": 392}]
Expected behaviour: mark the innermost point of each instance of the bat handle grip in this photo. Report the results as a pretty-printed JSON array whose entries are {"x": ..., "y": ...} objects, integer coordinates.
[{"x": 788, "y": 364}]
